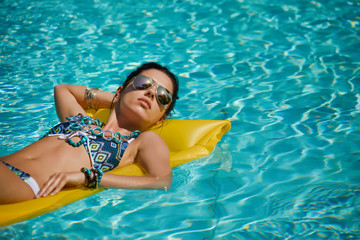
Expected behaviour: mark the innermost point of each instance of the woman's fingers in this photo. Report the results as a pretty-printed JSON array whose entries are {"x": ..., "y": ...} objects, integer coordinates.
[{"x": 55, "y": 183}]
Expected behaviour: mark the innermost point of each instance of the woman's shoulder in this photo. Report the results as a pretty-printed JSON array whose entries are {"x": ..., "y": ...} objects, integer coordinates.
[
  {"x": 151, "y": 139},
  {"x": 152, "y": 152},
  {"x": 150, "y": 136}
]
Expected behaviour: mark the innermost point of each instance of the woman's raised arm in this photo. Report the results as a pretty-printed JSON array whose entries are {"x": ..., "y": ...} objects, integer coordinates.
[{"x": 71, "y": 99}]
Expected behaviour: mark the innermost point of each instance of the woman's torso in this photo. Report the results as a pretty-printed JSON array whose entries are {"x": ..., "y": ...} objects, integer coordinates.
[
  {"x": 51, "y": 154},
  {"x": 48, "y": 156}
]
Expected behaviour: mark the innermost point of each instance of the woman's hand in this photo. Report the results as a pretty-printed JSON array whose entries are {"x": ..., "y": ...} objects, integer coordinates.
[{"x": 59, "y": 180}]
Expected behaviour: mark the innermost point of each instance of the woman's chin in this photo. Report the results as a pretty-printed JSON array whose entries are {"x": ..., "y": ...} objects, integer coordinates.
[{"x": 141, "y": 116}]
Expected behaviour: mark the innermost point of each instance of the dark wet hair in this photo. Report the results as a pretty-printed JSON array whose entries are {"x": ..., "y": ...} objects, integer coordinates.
[{"x": 154, "y": 65}]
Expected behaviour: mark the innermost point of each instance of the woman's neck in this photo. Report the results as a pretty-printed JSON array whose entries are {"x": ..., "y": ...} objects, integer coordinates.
[{"x": 118, "y": 124}]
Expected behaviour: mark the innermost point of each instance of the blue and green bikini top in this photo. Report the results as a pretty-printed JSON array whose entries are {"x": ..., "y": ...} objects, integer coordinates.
[{"x": 105, "y": 148}]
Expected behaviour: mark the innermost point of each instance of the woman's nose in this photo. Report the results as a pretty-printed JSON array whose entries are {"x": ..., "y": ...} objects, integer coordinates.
[{"x": 150, "y": 93}]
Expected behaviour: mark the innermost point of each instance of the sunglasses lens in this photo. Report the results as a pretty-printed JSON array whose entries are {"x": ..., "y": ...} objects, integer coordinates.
[
  {"x": 163, "y": 95},
  {"x": 142, "y": 82}
]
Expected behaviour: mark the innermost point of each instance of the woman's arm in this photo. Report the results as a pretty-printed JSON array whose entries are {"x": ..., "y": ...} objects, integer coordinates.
[
  {"x": 152, "y": 153},
  {"x": 70, "y": 100}
]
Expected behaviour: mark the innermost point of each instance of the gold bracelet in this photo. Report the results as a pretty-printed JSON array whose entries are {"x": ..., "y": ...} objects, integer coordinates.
[
  {"x": 87, "y": 97},
  {"x": 90, "y": 94},
  {"x": 93, "y": 95}
]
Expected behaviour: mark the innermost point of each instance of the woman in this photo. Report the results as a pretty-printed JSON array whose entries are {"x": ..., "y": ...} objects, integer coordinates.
[{"x": 80, "y": 150}]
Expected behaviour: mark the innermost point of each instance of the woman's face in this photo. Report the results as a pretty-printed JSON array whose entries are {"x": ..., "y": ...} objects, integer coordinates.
[{"x": 142, "y": 106}]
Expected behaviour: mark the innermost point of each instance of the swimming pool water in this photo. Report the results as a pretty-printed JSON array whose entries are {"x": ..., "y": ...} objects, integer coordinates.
[{"x": 286, "y": 73}]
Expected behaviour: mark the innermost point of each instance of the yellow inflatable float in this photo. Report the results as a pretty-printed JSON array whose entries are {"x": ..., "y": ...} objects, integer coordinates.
[{"x": 186, "y": 139}]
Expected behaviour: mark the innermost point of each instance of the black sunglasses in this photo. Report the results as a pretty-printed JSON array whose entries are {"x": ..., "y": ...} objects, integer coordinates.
[{"x": 163, "y": 95}]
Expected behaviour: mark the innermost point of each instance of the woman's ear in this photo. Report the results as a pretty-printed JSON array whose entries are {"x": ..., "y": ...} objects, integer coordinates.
[
  {"x": 116, "y": 97},
  {"x": 161, "y": 119},
  {"x": 118, "y": 92}
]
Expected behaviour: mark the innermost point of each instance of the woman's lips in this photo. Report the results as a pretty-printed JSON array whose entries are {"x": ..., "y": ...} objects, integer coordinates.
[{"x": 145, "y": 103}]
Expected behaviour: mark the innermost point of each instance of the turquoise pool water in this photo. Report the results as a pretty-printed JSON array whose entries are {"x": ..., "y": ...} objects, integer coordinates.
[{"x": 286, "y": 73}]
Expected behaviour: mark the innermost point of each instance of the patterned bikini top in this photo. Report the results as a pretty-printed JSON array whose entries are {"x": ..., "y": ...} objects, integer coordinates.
[{"x": 105, "y": 149}]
